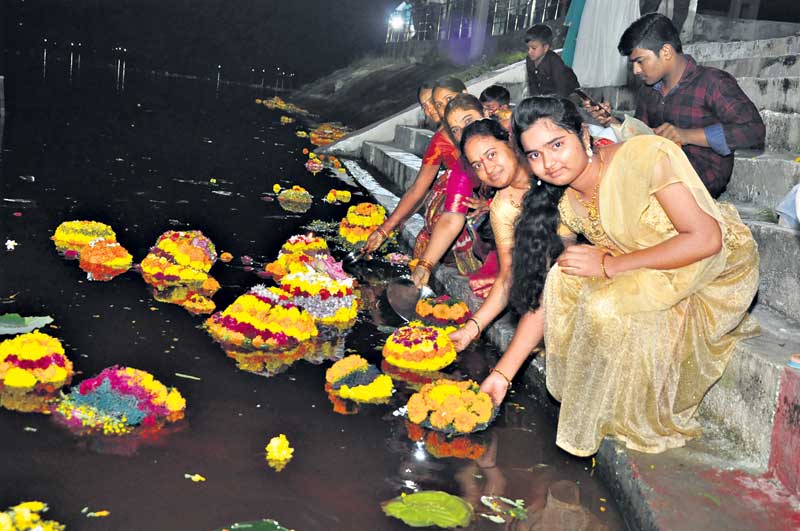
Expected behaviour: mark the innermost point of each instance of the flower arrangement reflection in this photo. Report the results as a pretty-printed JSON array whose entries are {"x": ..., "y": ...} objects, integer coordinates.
[
  {"x": 421, "y": 348},
  {"x": 442, "y": 446},
  {"x": 451, "y": 406},
  {"x": 33, "y": 367},
  {"x": 104, "y": 259},
  {"x": 119, "y": 401},
  {"x": 27, "y": 516}
]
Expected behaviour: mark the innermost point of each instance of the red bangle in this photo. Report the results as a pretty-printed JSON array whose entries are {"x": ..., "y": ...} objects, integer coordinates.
[{"x": 424, "y": 264}]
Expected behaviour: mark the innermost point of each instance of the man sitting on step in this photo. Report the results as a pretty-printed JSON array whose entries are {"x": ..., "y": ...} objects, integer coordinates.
[{"x": 700, "y": 108}]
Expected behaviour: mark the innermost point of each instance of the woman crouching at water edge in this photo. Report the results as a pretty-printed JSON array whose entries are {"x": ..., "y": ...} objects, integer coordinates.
[
  {"x": 496, "y": 163},
  {"x": 640, "y": 323},
  {"x": 441, "y": 151},
  {"x": 454, "y": 226}
]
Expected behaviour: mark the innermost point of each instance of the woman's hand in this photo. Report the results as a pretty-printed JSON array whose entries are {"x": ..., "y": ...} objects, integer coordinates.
[
  {"x": 477, "y": 204},
  {"x": 462, "y": 337},
  {"x": 582, "y": 261},
  {"x": 495, "y": 386},
  {"x": 420, "y": 276},
  {"x": 375, "y": 240}
]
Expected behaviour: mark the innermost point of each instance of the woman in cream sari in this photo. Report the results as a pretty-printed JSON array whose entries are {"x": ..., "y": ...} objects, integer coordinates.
[{"x": 642, "y": 321}]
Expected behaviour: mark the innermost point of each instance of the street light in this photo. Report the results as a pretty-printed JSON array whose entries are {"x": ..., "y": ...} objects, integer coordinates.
[{"x": 397, "y": 22}]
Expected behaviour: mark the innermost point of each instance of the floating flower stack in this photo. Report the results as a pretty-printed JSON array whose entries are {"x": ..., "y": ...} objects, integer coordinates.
[
  {"x": 314, "y": 164},
  {"x": 279, "y": 452},
  {"x": 119, "y": 401},
  {"x": 297, "y": 254},
  {"x": 441, "y": 446},
  {"x": 272, "y": 363},
  {"x": 442, "y": 311},
  {"x": 104, "y": 259},
  {"x": 295, "y": 199},
  {"x": 332, "y": 301},
  {"x": 33, "y": 367},
  {"x": 177, "y": 268},
  {"x": 327, "y": 133},
  {"x": 263, "y": 319},
  {"x": 27, "y": 516},
  {"x": 338, "y": 196},
  {"x": 361, "y": 220},
  {"x": 305, "y": 243},
  {"x": 286, "y": 120},
  {"x": 354, "y": 379},
  {"x": 71, "y": 237},
  {"x": 281, "y": 105},
  {"x": 451, "y": 407},
  {"x": 420, "y": 348}
]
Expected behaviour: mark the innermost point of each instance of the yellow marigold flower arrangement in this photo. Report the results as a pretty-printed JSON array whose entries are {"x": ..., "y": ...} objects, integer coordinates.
[
  {"x": 261, "y": 319},
  {"x": 33, "y": 367},
  {"x": 442, "y": 311},
  {"x": 295, "y": 199},
  {"x": 451, "y": 406},
  {"x": 338, "y": 196},
  {"x": 330, "y": 300},
  {"x": 104, "y": 259},
  {"x": 75, "y": 235},
  {"x": 304, "y": 243},
  {"x": 361, "y": 220},
  {"x": 354, "y": 379},
  {"x": 421, "y": 348},
  {"x": 279, "y": 452},
  {"x": 327, "y": 133},
  {"x": 27, "y": 516},
  {"x": 288, "y": 263}
]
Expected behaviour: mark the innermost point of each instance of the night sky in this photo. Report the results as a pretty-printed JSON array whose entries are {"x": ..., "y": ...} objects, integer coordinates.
[{"x": 308, "y": 37}]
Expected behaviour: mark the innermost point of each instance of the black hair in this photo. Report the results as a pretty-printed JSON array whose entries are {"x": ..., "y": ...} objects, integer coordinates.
[
  {"x": 539, "y": 32},
  {"x": 462, "y": 102},
  {"x": 496, "y": 93},
  {"x": 536, "y": 240},
  {"x": 426, "y": 85},
  {"x": 485, "y": 127},
  {"x": 650, "y": 32},
  {"x": 450, "y": 83}
]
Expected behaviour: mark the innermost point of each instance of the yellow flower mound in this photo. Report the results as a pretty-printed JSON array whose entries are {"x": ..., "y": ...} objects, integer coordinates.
[
  {"x": 420, "y": 348},
  {"x": 345, "y": 366},
  {"x": 279, "y": 453},
  {"x": 26, "y": 517},
  {"x": 376, "y": 391},
  {"x": 361, "y": 220},
  {"x": 19, "y": 351},
  {"x": 451, "y": 406},
  {"x": 76, "y": 235}
]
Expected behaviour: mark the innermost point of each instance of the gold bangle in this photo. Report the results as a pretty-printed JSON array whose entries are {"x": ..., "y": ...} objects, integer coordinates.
[
  {"x": 382, "y": 232},
  {"x": 472, "y": 319},
  {"x": 424, "y": 264},
  {"x": 498, "y": 371},
  {"x": 603, "y": 265}
]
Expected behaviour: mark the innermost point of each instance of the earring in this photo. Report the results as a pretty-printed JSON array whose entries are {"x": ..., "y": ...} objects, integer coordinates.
[
  {"x": 589, "y": 153},
  {"x": 538, "y": 182}
]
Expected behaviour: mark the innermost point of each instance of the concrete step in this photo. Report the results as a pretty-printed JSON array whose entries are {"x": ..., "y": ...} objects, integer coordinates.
[
  {"x": 415, "y": 140},
  {"x": 762, "y": 178},
  {"x": 401, "y": 166},
  {"x": 779, "y": 249},
  {"x": 780, "y": 66},
  {"x": 721, "y": 51}
]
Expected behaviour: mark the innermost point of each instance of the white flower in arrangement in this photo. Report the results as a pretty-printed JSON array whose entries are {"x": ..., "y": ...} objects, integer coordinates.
[{"x": 11, "y": 245}]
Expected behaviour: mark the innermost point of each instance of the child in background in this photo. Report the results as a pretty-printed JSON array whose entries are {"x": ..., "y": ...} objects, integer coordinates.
[
  {"x": 495, "y": 98},
  {"x": 547, "y": 73}
]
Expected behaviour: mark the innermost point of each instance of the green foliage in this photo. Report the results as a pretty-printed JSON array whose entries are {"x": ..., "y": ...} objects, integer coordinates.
[
  {"x": 14, "y": 323},
  {"x": 430, "y": 508}
]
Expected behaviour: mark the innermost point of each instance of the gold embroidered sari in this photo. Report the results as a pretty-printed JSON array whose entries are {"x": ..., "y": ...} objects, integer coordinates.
[{"x": 633, "y": 356}]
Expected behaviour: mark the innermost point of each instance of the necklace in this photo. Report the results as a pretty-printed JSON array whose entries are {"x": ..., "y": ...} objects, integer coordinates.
[
  {"x": 514, "y": 203},
  {"x": 591, "y": 206}
]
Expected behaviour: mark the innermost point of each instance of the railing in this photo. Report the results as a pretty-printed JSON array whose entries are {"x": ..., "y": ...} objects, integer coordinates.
[{"x": 454, "y": 19}]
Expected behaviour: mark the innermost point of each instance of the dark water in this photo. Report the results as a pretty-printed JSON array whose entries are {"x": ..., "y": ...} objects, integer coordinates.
[{"x": 142, "y": 161}]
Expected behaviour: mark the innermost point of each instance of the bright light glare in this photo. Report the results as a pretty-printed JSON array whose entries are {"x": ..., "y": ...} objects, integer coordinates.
[{"x": 396, "y": 22}]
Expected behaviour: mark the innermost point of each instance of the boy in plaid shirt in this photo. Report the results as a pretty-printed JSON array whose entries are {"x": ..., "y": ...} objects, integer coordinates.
[{"x": 700, "y": 108}]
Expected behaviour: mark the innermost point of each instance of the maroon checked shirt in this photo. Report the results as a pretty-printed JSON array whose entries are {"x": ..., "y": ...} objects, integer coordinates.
[{"x": 710, "y": 99}]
